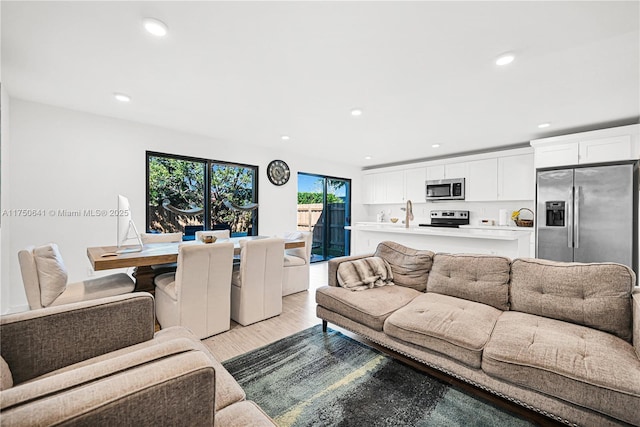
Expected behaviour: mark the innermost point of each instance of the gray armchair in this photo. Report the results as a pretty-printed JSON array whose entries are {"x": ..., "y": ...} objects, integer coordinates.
[{"x": 99, "y": 363}]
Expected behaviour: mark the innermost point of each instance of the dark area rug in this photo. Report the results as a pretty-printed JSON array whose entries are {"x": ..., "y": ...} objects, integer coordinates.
[{"x": 328, "y": 379}]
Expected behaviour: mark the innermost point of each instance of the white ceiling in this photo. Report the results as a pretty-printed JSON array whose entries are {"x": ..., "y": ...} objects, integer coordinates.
[{"x": 249, "y": 72}]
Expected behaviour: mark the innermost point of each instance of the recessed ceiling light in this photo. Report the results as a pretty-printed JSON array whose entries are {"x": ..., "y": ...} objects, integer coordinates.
[
  {"x": 356, "y": 112},
  {"x": 544, "y": 125},
  {"x": 504, "y": 59},
  {"x": 285, "y": 137},
  {"x": 155, "y": 27},
  {"x": 367, "y": 157},
  {"x": 122, "y": 97},
  {"x": 435, "y": 145}
]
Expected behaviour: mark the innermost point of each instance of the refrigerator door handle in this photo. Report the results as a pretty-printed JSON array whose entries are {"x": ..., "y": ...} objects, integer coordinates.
[
  {"x": 576, "y": 220},
  {"x": 569, "y": 215}
]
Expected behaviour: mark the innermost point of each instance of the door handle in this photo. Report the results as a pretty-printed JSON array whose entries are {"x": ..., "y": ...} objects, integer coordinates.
[
  {"x": 569, "y": 216},
  {"x": 576, "y": 221}
]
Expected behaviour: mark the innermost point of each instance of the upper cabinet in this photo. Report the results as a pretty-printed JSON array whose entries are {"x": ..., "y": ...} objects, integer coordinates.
[
  {"x": 599, "y": 146},
  {"x": 481, "y": 183},
  {"x": 394, "y": 186},
  {"x": 504, "y": 175},
  {"x": 516, "y": 177},
  {"x": 414, "y": 184}
]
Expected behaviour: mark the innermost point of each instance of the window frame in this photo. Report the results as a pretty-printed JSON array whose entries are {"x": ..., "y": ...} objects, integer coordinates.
[{"x": 208, "y": 163}]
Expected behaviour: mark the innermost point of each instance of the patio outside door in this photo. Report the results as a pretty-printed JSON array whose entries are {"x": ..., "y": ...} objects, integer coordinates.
[{"x": 324, "y": 207}]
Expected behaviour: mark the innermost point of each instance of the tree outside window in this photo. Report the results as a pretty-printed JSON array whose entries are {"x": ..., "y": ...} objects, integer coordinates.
[{"x": 176, "y": 194}]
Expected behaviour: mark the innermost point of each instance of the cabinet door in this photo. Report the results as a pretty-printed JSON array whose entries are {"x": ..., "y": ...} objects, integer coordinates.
[
  {"x": 456, "y": 170},
  {"x": 606, "y": 149},
  {"x": 435, "y": 172},
  {"x": 414, "y": 184},
  {"x": 368, "y": 189},
  {"x": 393, "y": 184},
  {"x": 482, "y": 180},
  {"x": 556, "y": 155},
  {"x": 516, "y": 177}
]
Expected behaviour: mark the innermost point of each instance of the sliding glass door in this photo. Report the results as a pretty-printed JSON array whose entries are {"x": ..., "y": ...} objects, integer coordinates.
[{"x": 324, "y": 207}]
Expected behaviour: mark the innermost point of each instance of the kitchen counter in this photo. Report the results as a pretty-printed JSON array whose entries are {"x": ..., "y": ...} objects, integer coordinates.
[{"x": 511, "y": 242}]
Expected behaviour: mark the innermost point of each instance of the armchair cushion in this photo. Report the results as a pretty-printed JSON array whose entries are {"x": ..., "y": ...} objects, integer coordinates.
[
  {"x": 100, "y": 287},
  {"x": 167, "y": 283},
  {"x": 52, "y": 274},
  {"x": 292, "y": 260}
]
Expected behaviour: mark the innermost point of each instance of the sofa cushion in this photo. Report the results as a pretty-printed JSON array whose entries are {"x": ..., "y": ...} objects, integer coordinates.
[
  {"x": 52, "y": 273},
  {"x": 479, "y": 278},
  {"x": 597, "y": 295},
  {"x": 581, "y": 365},
  {"x": 365, "y": 273},
  {"x": 410, "y": 267},
  {"x": 370, "y": 308},
  {"x": 456, "y": 327}
]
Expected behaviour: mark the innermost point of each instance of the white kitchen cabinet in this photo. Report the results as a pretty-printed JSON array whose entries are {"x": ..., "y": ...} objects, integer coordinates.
[
  {"x": 414, "y": 184},
  {"x": 516, "y": 177},
  {"x": 435, "y": 172},
  {"x": 605, "y": 149},
  {"x": 556, "y": 155},
  {"x": 598, "y": 146},
  {"x": 393, "y": 187},
  {"x": 481, "y": 183},
  {"x": 456, "y": 170},
  {"x": 383, "y": 187}
]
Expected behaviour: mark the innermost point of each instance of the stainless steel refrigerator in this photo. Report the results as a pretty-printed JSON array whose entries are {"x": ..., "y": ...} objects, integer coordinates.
[{"x": 588, "y": 214}]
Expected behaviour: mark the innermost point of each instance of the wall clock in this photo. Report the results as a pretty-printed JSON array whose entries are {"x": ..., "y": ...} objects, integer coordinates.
[{"x": 278, "y": 172}]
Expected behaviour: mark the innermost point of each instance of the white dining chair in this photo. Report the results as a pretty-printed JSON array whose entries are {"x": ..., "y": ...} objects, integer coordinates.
[
  {"x": 198, "y": 294},
  {"x": 256, "y": 287},
  {"x": 296, "y": 263},
  {"x": 45, "y": 280}
]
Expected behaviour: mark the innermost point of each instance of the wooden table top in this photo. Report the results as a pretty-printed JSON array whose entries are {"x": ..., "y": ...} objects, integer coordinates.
[{"x": 158, "y": 253}]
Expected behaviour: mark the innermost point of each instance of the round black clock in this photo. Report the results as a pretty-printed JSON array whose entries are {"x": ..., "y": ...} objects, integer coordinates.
[{"x": 278, "y": 172}]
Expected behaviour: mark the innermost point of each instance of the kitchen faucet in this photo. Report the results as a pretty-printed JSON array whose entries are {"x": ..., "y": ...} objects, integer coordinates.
[{"x": 408, "y": 213}]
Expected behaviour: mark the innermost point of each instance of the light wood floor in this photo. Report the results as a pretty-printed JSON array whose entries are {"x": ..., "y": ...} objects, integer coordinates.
[{"x": 298, "y": 314}]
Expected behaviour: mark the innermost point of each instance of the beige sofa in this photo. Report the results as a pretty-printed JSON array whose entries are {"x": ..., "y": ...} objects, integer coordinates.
[
  {"x": 562, "y": 339},
  {"x": 99, "y": 362}
]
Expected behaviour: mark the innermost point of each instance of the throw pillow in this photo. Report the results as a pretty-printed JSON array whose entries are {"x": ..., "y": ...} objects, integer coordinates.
[
  {"x": 52, "y": 274},
  {"x": 410, "y": 267},
  {"x": 365, "y": 273}
]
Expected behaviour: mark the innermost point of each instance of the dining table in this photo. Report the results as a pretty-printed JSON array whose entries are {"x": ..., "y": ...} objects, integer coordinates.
[{"x": 155, "y": 254}]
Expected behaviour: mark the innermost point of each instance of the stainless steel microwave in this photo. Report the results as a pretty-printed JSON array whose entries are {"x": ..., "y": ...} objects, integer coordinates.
[{"x": 445, "y": 189}]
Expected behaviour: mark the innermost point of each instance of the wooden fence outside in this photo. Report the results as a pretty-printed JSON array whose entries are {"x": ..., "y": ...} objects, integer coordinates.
[{"x": 310, "y": 218}]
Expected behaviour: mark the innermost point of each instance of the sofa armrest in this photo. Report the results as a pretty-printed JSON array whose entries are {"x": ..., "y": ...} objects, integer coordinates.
[
  {"x": 334, "y": 263},
  {"x": 635, "y": 300},
  {"x": 43, "y": 340},
  {"x": 172, "y": 386}
]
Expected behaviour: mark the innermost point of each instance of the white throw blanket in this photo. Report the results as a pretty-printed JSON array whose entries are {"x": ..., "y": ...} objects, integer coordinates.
[{"x": 365, "y": 273}]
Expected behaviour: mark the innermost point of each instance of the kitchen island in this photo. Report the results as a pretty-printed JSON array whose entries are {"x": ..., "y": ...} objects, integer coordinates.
[{"x": 495, "y": 241}]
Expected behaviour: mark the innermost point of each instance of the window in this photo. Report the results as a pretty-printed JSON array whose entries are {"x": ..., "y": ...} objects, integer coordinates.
[
  {"x": 324, "y": 208},
  {"x": 177, "y": 189}
]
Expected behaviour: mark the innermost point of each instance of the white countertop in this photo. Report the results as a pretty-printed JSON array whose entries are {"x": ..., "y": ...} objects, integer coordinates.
[{"x": 490, "y": 232}]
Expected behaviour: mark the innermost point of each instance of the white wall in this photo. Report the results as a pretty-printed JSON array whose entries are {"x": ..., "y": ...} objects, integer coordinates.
[
  {"x": 64, "y": 159},
  {"x": 5, "y": 221}
]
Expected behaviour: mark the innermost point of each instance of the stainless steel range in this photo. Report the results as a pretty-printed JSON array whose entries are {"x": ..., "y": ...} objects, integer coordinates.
[{"x": 452, "y": 219}]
